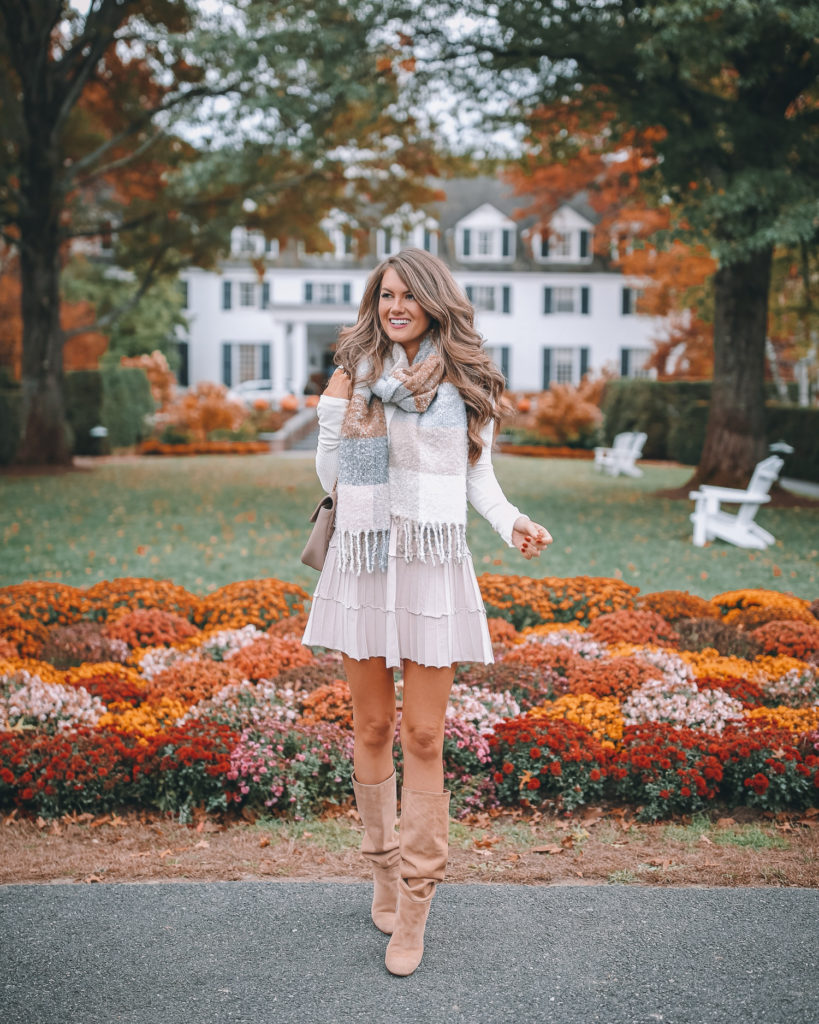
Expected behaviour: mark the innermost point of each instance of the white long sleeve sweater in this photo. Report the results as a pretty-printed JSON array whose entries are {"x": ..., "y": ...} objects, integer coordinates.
[{"x": 482, "y": 488}]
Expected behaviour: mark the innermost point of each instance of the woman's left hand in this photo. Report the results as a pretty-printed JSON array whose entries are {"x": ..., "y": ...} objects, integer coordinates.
[{"x": 530, "y": 538}]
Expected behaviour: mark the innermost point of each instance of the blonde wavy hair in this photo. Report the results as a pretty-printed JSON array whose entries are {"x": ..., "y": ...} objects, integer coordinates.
[{"x": 466, "y": 365}]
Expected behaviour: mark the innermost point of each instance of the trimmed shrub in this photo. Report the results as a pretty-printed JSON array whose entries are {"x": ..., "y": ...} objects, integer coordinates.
[
  {"x": 674, "y": 414},
  {"x": 117, "y": 398}
]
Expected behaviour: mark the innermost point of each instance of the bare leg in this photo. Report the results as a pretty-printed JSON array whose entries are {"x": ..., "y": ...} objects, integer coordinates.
[
  {"x": 373, "y": 692},
  {"x": 426, "y": 693}
]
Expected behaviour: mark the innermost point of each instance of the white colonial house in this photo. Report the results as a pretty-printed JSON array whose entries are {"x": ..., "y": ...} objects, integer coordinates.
[{"x": 549, "y": 306}]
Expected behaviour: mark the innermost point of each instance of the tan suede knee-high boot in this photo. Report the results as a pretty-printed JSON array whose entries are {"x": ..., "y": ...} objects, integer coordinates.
[
  {"x": 377, "y": 807},
  {"x": 424, "y": 845}
]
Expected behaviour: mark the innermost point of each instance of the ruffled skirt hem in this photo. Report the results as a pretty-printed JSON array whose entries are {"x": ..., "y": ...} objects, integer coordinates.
[{"x": 429, "y": 613}]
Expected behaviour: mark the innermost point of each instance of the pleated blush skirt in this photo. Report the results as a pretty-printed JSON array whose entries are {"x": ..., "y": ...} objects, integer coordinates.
[{"x": 430, "y": 613}]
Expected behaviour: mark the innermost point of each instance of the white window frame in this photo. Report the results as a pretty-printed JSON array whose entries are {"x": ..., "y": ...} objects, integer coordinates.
[
  {"x": 565, "y": 299},
  {"x": 484, "y": 298},
  {"x": 563, "y": 362},
  {"x": 641, "y": 372},
  {"x": 247, "y": 355},
  {"x": 247, "y": 294}
]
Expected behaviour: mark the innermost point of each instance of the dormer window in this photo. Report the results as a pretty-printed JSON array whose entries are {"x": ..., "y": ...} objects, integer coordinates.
[
  {"x": 406, "y": 229},
  {"x": 485, "y": 236}
]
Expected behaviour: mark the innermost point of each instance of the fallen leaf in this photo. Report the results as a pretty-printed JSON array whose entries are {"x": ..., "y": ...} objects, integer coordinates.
[
  {"x": 264, "y": 841},
  {"x": 512, "y": 856},
  {"x": 706, "y": 840},
  {"x": 486, "y": 843},
  {"x": 203, "y": 844},
  {"x": 661, "y": 862},
  {"x": 551, "y": 848},
  {"x": 164, "y": 853},
  {"x": 93, "y": 878},
  {"x": 725, "y": 822},
  {"x": 100, "y": 821},
  {"x": 41, "y": 823}
]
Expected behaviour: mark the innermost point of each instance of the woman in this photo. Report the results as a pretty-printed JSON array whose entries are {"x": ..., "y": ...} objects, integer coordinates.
[{"x": 406, "y": 428}]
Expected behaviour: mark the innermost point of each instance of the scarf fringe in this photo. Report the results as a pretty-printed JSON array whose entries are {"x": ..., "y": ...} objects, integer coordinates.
[
  {"x": 433, "y": 542},
  {"x": 363, "y": 550}
]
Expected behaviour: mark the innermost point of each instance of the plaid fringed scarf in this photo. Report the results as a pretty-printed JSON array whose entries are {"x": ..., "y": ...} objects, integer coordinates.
[{"x": 416, "y": 483}]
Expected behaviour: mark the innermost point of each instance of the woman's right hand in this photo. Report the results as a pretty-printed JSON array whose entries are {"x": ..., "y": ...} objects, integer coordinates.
[{"x": 339, "y": 385}]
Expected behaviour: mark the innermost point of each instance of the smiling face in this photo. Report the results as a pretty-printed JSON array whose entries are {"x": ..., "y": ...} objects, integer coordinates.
[{"x": 401, "y": 316}]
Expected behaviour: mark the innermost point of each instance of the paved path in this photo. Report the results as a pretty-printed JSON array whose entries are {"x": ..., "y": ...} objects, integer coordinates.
[{"x": 306, "y": 953}]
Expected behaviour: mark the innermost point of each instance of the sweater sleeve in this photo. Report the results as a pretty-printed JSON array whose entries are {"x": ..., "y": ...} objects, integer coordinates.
[
  {"x": 484, "y": 492},
  {"x": 330, "y": 413}
]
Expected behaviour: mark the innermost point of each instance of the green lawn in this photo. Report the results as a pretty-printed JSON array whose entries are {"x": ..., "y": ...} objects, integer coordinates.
[{"x": 208, "y": 520}]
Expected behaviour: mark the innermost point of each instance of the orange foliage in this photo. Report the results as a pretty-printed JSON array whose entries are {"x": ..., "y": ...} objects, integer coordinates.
[
  {"x": 267, "y": 657},
  {"x": 551, "y": 599},
  {"x": 329, "y": 703},
  {"x": 159, "y": 374},
  {"x": 203, "y": 409},
  {"x": 678, "y": 604},
  {"x": 572, "y": 150},
  {"x": 80, "y": 352},
  {"x": 568, "y": 415}
]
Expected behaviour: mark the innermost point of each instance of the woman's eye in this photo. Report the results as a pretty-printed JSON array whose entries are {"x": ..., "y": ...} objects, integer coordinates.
[{"x": 410, "y": 297}]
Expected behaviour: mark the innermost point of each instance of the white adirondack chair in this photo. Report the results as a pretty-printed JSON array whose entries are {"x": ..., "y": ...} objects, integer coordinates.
[
  {"x": 740, "y": 529},
  {"x": 622, "y": 456}
]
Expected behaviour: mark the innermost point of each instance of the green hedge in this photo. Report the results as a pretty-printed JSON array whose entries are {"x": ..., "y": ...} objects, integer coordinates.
[
  {"x": 674, "y": 415},
  {"x": 117, "y": 398}
]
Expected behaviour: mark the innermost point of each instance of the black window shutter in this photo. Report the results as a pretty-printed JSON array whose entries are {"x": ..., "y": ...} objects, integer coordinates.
[
  {"x": 308, "y": 291},
  {"x": 183, "y": 291},
  {"x": 348, "y": 243},
  {"x": 584, "y": 245},
  {"x": 544, "y": 247},
  {"x": 226, "y": 294},
  {"x": 266, "y": 361},
  {"x": 468, "y": 290},
  {"x": 504, "y": 366},
  {"x": 624, "y": 361},
  {"x": 506, "y": 299},
  {"x": 584, "y": 362},
  {"x": 387, "y": 241},
  {"x": 182, "y": 372},
  {"x": 265, "y": 294},
  {"x": 467, "y": 242},
  {"x": 547, "y": 300},
  {"x": 427, "y": 240},
  {"x": 547, "y": 368},
  {"x": 585, "y": 297},
  {"x": 226, "y": 375},
  {"x": 625, "y": 301},
  {"x": 346, "y": 294},
  {"x": 506, "y": 242}
]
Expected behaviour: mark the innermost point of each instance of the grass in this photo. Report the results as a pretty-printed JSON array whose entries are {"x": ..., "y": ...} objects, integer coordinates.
[
  {"x": 752, "y": 836},
  {"x": 209, "y": 520}
]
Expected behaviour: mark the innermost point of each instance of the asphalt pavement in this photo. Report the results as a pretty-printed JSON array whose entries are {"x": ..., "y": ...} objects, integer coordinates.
[{"x": 307, "y": 953}]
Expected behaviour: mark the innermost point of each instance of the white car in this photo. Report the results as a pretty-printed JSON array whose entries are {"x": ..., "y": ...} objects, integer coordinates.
[{"x": 250, "y": 391}]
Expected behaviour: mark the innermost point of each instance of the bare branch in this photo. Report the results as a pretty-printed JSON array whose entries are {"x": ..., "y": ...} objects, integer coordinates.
[
  {"x": 124, "y": 307},
  {"x": 115, "y": 165},
  {"x": 136, "y": 126}
]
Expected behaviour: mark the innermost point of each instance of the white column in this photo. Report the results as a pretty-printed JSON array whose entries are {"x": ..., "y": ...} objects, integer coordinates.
[{"x": 298, "y": 362}]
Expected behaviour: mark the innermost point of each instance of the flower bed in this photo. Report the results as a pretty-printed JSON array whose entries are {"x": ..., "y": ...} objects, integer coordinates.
[
  {"x": 155, "y": 447},
  {"x": 136, "y": 693}
]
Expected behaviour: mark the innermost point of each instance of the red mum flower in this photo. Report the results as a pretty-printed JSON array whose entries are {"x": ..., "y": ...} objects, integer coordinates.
[
  {"x": 555, "y": 768},
  {"x": 508, "y": 768},
  {"x": 534, "y": 752},
  {"x": 533, "y": 784}
]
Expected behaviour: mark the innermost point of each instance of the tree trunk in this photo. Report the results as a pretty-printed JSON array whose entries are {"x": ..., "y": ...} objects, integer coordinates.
[
  {"x": 44, "y": 430},
  {"x": 735, "y": 435}
]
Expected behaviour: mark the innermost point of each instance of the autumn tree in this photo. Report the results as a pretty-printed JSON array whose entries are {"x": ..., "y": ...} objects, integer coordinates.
[
  {"x": 570, "y": 149},
  {"x": 160, "y": 124},
  {"x": 729, "y": 89}
]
